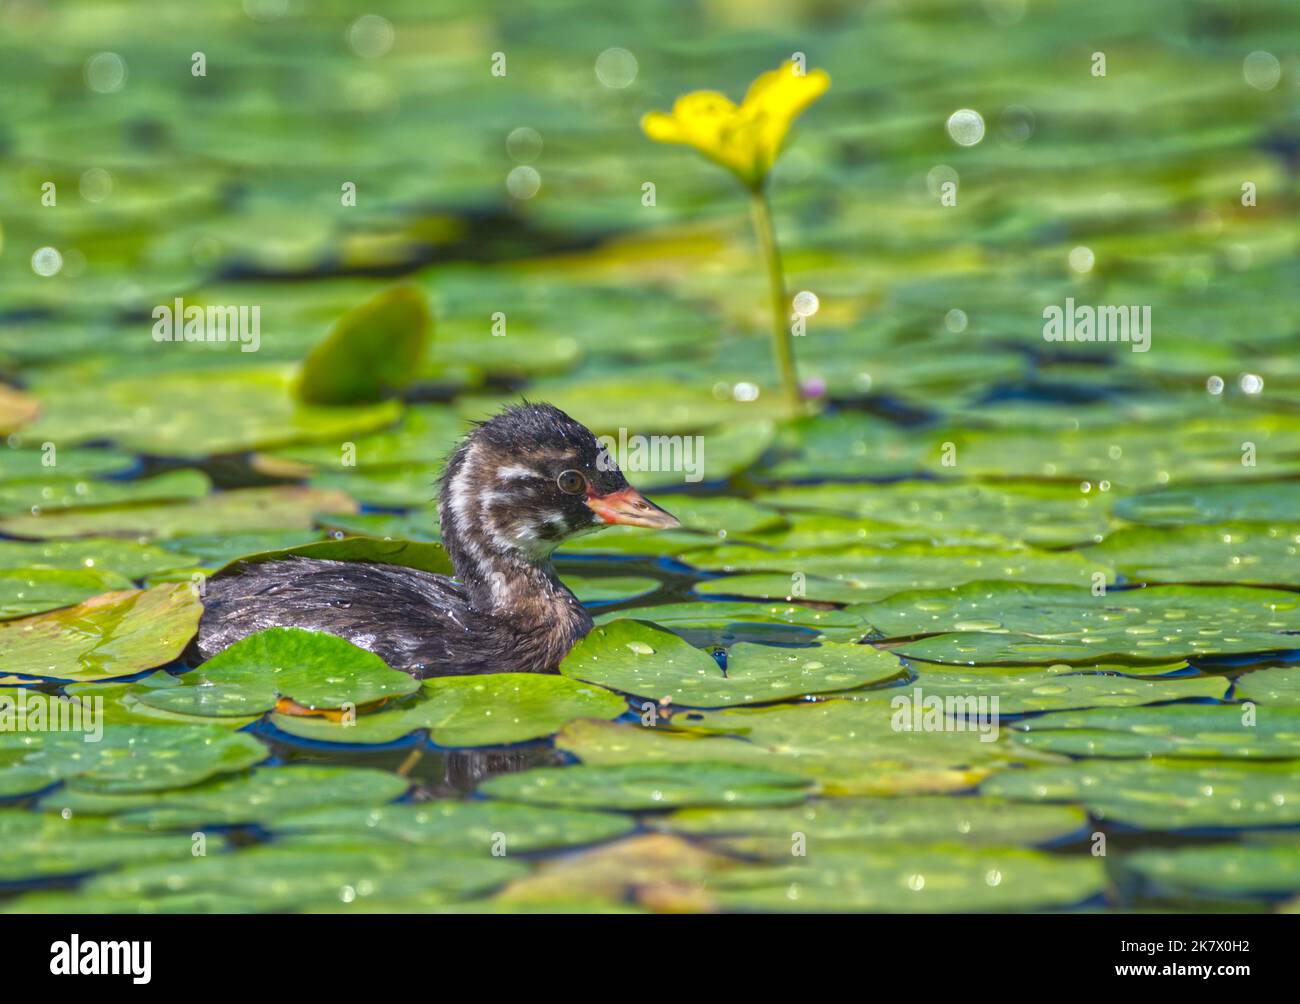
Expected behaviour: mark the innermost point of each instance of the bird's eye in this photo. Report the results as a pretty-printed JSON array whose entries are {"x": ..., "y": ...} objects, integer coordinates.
[{"x": 571, "y": 482}]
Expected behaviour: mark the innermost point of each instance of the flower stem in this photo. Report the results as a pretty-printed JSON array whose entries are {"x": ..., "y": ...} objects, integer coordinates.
[{"x": 782, "y": 343}]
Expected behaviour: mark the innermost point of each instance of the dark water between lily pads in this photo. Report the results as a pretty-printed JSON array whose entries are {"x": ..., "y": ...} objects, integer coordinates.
[{"x": 1103, "y": 540}]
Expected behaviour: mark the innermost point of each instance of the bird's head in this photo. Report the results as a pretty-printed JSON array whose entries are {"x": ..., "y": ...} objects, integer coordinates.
[{"x": 528, "y": 479}]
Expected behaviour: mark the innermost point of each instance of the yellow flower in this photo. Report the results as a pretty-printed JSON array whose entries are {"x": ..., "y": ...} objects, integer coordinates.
[{"x": 745, "y": 139}]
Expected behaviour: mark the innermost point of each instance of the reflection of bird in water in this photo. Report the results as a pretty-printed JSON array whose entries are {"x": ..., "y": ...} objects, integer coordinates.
[{"x": 517, "y": 487}]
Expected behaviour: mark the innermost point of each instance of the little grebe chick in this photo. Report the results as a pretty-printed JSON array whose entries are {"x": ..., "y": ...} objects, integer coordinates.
[{"x": 516, "y": 487}]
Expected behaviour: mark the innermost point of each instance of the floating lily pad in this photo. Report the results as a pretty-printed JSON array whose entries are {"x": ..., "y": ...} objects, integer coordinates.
[
  {"x": 16, "y": 408},
  {"x": 880, "y": 573},
  {"x": 295, "y": 872},
  {"x": 1015, "y": 622},
  {"x": 847, "y": 747},
  {"x": 1251, "y": 502},
  {"x": 638, "y": 658},
  {"x": 68, "y": 462},
  {"x": 796, "y": 586},
  {"x": 121, "y": 703},
  {"x": 52, "y": 494},
  {"x": 36, "y": 590},
  {"x": 106, "y": 554},
  {"x": 216, "y": 550},
  {"x": 846, "y": 445},
  {"x": 487, "y": 710},
  {"x": 237, "y": 511},
  {"x": 310, "y": 668},
  {"x": 111, "y": 635},
  {"x": 657, "y": 870},
  {"x": 465, "y": 827},
  {"x": 905, "y": 878},
  {"x": 595, "y": 589},
  {"x": 424, "y": 436},
  {"x": 390, "y": 487},
  {"x": 373, "y": 350},
  {"x": 830, "y": 624},
  {"x": 127, "y": 757},
  {"x": 1184, "y": 730},
  {"x": 648, "y": 786},
  {"x": 822, "y": 823},
  {"x": 194, "y": 414},
  {"x": 35, "y": 846},
  {"x": 1034, "y": 513},
  {"x": 1240, "y": 553},
  {"x": 1222, "y": 869},
  {"x": 1276, "y": 685},
  {"x": 1018, "y": 691},
  {"x": 1164, "y": 794},
  {"x": 263, "y": 796}
]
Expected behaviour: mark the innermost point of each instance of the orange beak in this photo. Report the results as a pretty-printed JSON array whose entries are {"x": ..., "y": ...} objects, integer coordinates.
[{"x": 631, "y": 508}]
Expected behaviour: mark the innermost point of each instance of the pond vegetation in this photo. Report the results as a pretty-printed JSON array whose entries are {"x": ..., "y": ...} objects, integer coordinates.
[{"x": 944, "y": 504}]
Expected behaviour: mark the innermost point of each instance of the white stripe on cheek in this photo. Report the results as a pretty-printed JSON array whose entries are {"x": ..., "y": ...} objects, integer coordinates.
[{"x": 516, "y": 473}]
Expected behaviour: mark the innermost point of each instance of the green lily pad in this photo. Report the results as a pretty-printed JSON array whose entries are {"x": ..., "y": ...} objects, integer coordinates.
[
  {"x": 121, "y": 703},
  {"x": 111, "y": 635},
  {"x": 487, "y": 710},
  {"x": 880, "y": 573},
  {"x": 1184, "y": 730},
  {"x": 425, "y": 435},
  {"x": 1275, "y": 685},
  {"x": 35, "y": 846},
  {"x": 237, "y": 511},
  {"x": 127, "y": 758},
  {"x": 37, "y": 590},
  {"x": 780, "y": 586},
  {"x": 1222, "y": 869},
  {"x": 310, "y": 668},
  {"x": 68, "y": 462},
  {"x": 1041, "y": 514},
  {"x": 1016, "y": 622},
  {"x": 1127, "y": 457},
  {"x": 374, "y": 349},
  {"x": 1251, "y": 502},
  {"x": 635, "y": 657},
  {"x": 264, "y": 795},
  {"x": 1018, "y": 691},
  {"x": 829, "y": 624},
  {"x": 295, "y": 872},
  {"x": 126, "y": 558},
  {"x": 594, "y": 589},
  {"x": 905, "y": 878},
  {"x": 648, "y": 786},
  {"x": 391, "y": 487},
  {"x": 1239, "y": 553},
  {"x": 465, "y": 827},
  {"x": 194, "y": 414},
  {"x": 1164, "y": 794},
  {"x": 54, "y": 494},
  {"x": 846, "y": 445},
  {"x": 823, "y": 823},
  {"x": 847, "y": 747},
  {"x": 216, "y": 550}
]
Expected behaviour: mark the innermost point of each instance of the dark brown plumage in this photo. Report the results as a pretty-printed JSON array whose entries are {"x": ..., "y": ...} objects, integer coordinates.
[{"x": 513, "y": 490}]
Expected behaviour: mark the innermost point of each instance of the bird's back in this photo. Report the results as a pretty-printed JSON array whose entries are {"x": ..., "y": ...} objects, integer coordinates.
[{"x": 414, "y": 620}]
